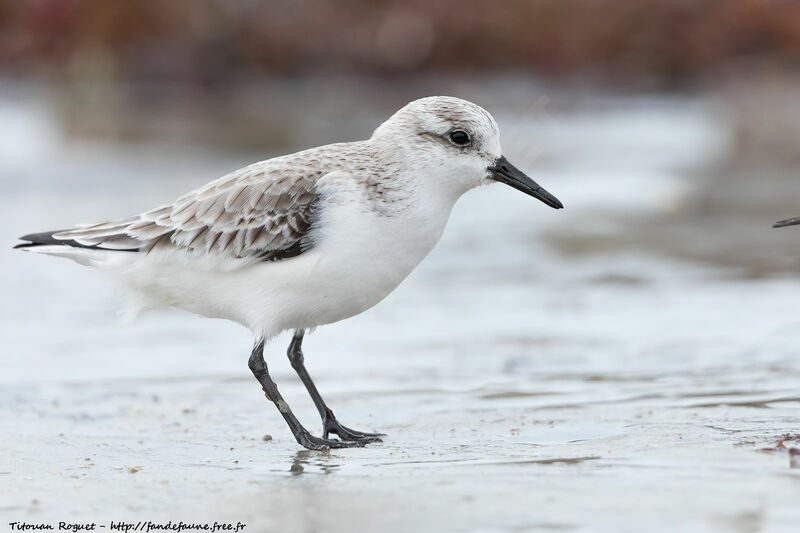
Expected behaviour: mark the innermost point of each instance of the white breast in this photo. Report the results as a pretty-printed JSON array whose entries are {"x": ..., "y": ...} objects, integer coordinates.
[{"x": 362, "y": 254}]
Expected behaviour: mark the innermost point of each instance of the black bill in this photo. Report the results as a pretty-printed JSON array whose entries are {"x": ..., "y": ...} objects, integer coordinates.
[
  {"x": 787, "y": 222},
  {"x": 505, "y": 172}
]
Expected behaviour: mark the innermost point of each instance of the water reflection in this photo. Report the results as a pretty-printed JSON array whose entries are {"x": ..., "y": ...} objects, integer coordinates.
[{"x": 313, "y": 462}]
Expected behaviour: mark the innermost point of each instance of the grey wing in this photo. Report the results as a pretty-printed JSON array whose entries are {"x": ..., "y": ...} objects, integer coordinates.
[{"x": 257, "y": 212}]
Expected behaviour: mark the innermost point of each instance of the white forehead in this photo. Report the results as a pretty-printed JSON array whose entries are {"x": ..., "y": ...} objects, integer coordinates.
[{"x": 441, "y": 114}]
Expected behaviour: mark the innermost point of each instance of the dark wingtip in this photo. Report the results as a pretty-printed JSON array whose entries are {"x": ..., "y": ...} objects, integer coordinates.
[
  {"x": 39, "y": 239},
  {"x": 788, "y": 222},
  {"x": 46, "y": 238}
]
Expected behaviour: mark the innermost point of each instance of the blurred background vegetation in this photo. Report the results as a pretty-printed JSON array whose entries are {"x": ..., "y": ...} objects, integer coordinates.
[
  {"x": 265, "y": 77},
  {"x": 232, "y": 61},
  {"x": 212, "y": 42}
]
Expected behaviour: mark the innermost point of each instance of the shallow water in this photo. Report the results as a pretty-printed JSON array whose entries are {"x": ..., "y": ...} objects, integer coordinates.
[{"x": 523, "y": 388}]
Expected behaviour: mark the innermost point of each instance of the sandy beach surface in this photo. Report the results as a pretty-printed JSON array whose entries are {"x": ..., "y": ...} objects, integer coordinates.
[{"x": 628, "y": 364}]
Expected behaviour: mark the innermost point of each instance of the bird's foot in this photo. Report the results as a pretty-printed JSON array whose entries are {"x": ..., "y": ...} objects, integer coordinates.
[
  {"x": 331, "y": 425},
  {"x": 311, "y": 442}
]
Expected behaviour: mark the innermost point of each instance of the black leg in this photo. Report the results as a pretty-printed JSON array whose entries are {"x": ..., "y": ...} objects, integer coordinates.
[
  {"x": 329, "y": 422},
  {"x": 259, "y": 368}
]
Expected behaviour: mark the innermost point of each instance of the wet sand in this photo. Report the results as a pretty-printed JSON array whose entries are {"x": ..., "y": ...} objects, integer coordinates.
[{"x": 525, "y": 385}]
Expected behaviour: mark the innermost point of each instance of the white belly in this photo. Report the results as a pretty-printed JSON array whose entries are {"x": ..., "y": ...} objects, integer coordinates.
[{"x": 361, "y": 257}]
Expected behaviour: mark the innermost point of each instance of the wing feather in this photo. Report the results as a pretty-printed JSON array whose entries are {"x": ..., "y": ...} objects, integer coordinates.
[{"x": 261, "y": 211}]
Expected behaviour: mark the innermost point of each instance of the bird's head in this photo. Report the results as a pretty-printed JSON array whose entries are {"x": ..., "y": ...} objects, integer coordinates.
[{"x": 456, "y": 144}]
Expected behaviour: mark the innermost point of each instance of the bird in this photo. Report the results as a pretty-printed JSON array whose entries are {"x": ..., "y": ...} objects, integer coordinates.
[
  {"x": 788, "y": 222},
  {"x": 303, "y": 240}
]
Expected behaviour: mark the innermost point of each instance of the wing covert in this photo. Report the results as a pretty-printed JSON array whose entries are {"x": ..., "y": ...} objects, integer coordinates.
[{"x": 256, "y": 212}]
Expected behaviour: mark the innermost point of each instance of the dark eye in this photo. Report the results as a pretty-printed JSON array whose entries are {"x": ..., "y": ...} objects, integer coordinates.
[{"x": 459, "y": 137}]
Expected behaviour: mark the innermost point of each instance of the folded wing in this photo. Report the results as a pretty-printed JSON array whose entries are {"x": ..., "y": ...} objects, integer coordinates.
[{"x": 261, "y": 211}]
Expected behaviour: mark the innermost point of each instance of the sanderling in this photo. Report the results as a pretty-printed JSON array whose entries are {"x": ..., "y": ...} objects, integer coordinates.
[
  {"x": 306, "y": 239},
  {"x": 787, "y": 222}
]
